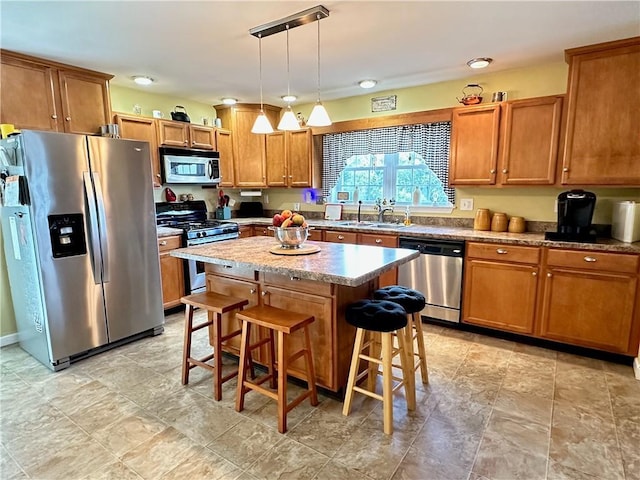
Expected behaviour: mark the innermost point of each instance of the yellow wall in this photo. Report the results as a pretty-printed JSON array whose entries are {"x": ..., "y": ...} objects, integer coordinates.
[{"x": 533, "y": 203}]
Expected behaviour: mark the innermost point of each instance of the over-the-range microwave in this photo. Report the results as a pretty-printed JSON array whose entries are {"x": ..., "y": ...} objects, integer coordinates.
[{"x": 185, "y": 165}]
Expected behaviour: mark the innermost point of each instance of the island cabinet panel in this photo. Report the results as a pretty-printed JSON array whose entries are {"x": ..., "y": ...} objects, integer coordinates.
[
  {"x": 224, "y": 146},
  {"x": 602, "y": 144},
  {"x": 322, "y": 330},
  {"x": 172, "y": 271},
  {"x": 240, "y": 289},
  {"x": 530, "y": 132},
  {"x": 144, "y": 129},
  {"x": 589, "y": 305},
  {"x": 500, "y": 286},
  {"x": 474, "y": 145}
]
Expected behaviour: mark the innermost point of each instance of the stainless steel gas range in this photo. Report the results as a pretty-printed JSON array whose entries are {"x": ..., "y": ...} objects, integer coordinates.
[{"x": 197, "y": 229}]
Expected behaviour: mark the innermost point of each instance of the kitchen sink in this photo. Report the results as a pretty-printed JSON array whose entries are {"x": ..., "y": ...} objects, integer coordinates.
[
  {"x": 351, "y": 223},
  {"x": 388, "y": 225},
  {"x": 355, "y": 224}
]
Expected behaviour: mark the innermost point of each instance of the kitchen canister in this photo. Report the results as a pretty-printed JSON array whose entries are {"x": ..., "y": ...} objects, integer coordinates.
[
  {"x": 516, "y": 225},
  {"x": 482, "y": 220},
  {"x": 499, "y": 222}
]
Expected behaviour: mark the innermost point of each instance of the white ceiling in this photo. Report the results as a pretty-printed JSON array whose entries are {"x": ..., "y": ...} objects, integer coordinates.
[{"x": 202, "y": 50}]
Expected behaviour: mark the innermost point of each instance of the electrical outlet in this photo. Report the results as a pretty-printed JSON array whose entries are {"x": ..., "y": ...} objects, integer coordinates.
[
  {"x": 466, "y": 204},
  {"x": 296, "y": 206}
]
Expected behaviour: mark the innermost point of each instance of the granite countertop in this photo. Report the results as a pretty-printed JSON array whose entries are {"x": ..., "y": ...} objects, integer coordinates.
[
  {"x": 535, "y": 239},
  {"x": 341, "y": 264},
  {"x": 168, "y": 231}
]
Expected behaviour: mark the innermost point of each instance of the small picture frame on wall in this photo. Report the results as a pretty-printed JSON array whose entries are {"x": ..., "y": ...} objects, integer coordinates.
[
  {"x": 383, "y": 104},
  {"x": 343, "y": 196}
]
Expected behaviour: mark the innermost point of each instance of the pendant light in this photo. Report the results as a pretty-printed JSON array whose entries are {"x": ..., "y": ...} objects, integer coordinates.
[
  {"x": 262, "y": 124},
  {"x": 288, "y": 120},
  {"x": 319, "y": 116}
]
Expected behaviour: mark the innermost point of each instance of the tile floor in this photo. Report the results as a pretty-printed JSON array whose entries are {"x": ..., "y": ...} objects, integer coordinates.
[{"x": 493, "y": 409}]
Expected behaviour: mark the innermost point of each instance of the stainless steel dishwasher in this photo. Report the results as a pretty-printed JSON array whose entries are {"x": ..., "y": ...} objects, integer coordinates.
[{"x": 437, "y": 273}]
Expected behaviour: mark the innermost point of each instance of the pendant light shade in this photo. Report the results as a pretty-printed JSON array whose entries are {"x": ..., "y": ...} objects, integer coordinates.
[
  {"x": 288, "y": 120},
  {"x": 262, "y": 125},
  {"x": 319, "y": 116}
]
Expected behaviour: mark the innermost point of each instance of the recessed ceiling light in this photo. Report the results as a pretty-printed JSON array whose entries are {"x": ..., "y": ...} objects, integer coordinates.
[
  {"x": 142, "y": 80},
  {"x": 289, "y": 98},
  {"x": 367, "y": 83},
  {"x": 480, "y": 62},
  {"x": 229, "y": 101}
]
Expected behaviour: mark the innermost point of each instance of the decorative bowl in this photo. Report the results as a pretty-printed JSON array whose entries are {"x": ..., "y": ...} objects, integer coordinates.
[{"x": 290, "y": 237}]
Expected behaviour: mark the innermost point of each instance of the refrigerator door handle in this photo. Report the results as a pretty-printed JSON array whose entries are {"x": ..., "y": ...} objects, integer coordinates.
[
  {"x": 93, "y": 228},
  {"x": 102, "y": 227}
]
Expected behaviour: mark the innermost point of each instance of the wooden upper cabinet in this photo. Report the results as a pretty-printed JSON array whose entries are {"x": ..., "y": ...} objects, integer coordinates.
[
  {"x": 249, "y": 149},
  {"x": 602, "y": 143},
  {"x": 202, "y": 137},
  {"x": 224, "y": 146},
  {"x": 144, "y": 129},
  {"x": 42, "y": 95},
  {"x": 276, "y": 153},
  {"x": 530, "y": 130},
  {"x": 299, "y": 159},
  {"x": 474, "y": 145},
  {"x": 173, "y": 134}
]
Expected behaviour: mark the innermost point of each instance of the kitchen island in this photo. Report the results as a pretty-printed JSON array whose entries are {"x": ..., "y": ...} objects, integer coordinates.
[{"x": 321, "y": 283}]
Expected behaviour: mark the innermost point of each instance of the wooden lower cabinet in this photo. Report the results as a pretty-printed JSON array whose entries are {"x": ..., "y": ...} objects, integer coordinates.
[
  {"x": 337, "y": 236},
  {"x": 390, "y": 277},
  {"x": 171, "y": 271},
  {"x": 589, "y": 307},
  {"x": 245, "y": 231}
]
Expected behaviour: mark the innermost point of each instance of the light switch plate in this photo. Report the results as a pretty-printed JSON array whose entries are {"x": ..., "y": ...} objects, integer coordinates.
[{"x": 466, "y": 204}]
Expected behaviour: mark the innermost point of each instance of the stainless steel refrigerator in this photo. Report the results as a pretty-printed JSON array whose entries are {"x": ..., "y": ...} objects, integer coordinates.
[{"x": 79, "y": 229}]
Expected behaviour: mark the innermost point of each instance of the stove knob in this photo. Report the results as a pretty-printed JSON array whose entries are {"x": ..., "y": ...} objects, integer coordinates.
[
  {"x": 204, "y": 234},
  {"x": 199, "y": 234}
]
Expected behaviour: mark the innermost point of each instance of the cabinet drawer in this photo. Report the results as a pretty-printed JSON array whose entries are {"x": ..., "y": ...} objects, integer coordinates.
[
  {"x": 296, "y": 284},
  {"x": 315, "y": 235},
  {"x": 379, "y": 240},
  {"x": 260, "y": 230},
  {"x": 340, "y": 237},
  {"x": 169, "y": 243},
  {"x": 585, "y": 260},
  {"x": 231, "y": 271},
  {"x": 502, "y": 252}
]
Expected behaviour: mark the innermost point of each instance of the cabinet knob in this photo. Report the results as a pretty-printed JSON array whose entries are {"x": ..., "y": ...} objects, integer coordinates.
[
  {"x": 294, "y": 279},
  {"x": 492, "y": 171},
  {"x": 590, "y": 259},
  {"x": 502, "y": 251},
  {"x": 185, "y": 142},
  {"x": 340, "y": 237},
  {"x": 68, "y": 119},
  {"x": 549, "y": 275},
  {"x": 264, "y": 293},
  {"x": 504, "y": 170},
  {"x": 284, "y": 176},
  {"x": 252, "y": 291},
  {"x": 227, "y": 266},
  {"x": 54, "y": 116},
  {"x": 158, "y": 175},
  {"x": 163, "y": 243},
  {"x": 565, "y": 169},
  {"x": 378, "y": 240},
  {"x": 193, "y": 142},
  {"x": 290, "y": 176},
  {"x": 535, "y": 274}
]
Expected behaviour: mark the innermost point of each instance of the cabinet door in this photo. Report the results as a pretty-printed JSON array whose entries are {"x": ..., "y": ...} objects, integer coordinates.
[
  {"x": 589, "y": 309},
  {"x": 233, "y": 288},
  {"x": 202, "y": 137},
  {"x": 260, "y": 230},
  {"x": 276, "y": 159},
  {"x": 224, "y": 146},
  {"x": 173, "y": 134},
  {"x": 340, "y": 237},
  {"x": 245, "y": 231},
  {"x": 299, "y": 158},
  {"x": 85, "y": 102},
  {"x": 474, "y": 145},
  {"x": 144, "y": 129},
  {"x": 250, "y": 165},
  {"x": 172, "y": 272},
  {"x": 28, "y": 99},
  {"x": 529, "y": 146},
  {"x": 321, "y": 331},
  {"x": 386, "y": 278},
  {"x": 500, "y": 295},
  {"x": 602, "y": 144}
]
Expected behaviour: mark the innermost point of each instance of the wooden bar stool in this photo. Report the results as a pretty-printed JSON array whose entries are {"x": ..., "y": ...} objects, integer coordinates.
[
  {"x": 413, "y": 302},
  {"x": 284, "y": 323},
  {"x": 379, "y": 320},
  {"x": 217, "y": 305}
]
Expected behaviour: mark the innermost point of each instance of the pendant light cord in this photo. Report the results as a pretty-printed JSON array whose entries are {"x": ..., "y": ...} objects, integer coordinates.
[
  {"x": 318, "y": 17},
  {"x": 260, "y": 54},
  {"x": 288, "y": 80}
]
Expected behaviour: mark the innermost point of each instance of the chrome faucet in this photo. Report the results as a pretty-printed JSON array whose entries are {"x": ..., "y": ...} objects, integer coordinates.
[{"x": 382, "y": 206}]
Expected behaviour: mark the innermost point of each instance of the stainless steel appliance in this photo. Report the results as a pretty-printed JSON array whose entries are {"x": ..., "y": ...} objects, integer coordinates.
[
  {"x": 80, "y": 244},
  {"x": 191, "y": 218},
  {"x": 575, "y": 211},
  {"x": 183, "y": 165},
  {"x": 437, "y": 273}
]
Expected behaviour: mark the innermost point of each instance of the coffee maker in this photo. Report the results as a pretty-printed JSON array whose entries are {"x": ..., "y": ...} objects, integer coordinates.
[{"x": 575, "y": 211}]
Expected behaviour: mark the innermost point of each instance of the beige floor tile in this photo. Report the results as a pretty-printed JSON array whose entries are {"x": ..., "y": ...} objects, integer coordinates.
[
  {"x": 418, "y": 465},
  {"x": 153, "y": 388},
  {"x": 203, "y": 464},
  {"x": 107, "y": 410},
  {"x": 474, "y": 389},
  {"x": 512, "y": 448},
  {"x": 334, "y": 471},
  {"x": 245, "y": 442},
  {"x": 322, "y": 431},
  {"x": 113, "y": 471},
  {"x": 529, "y": 407},
  {"x": 9, "y": 469},
  {"x": 77, "y": 399},
  {"x": 558, "y": 471},
  {"x": 288, "y": 460},
  {"x": 529, "y": 382},
  {"x": 128, "y": 432}
]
